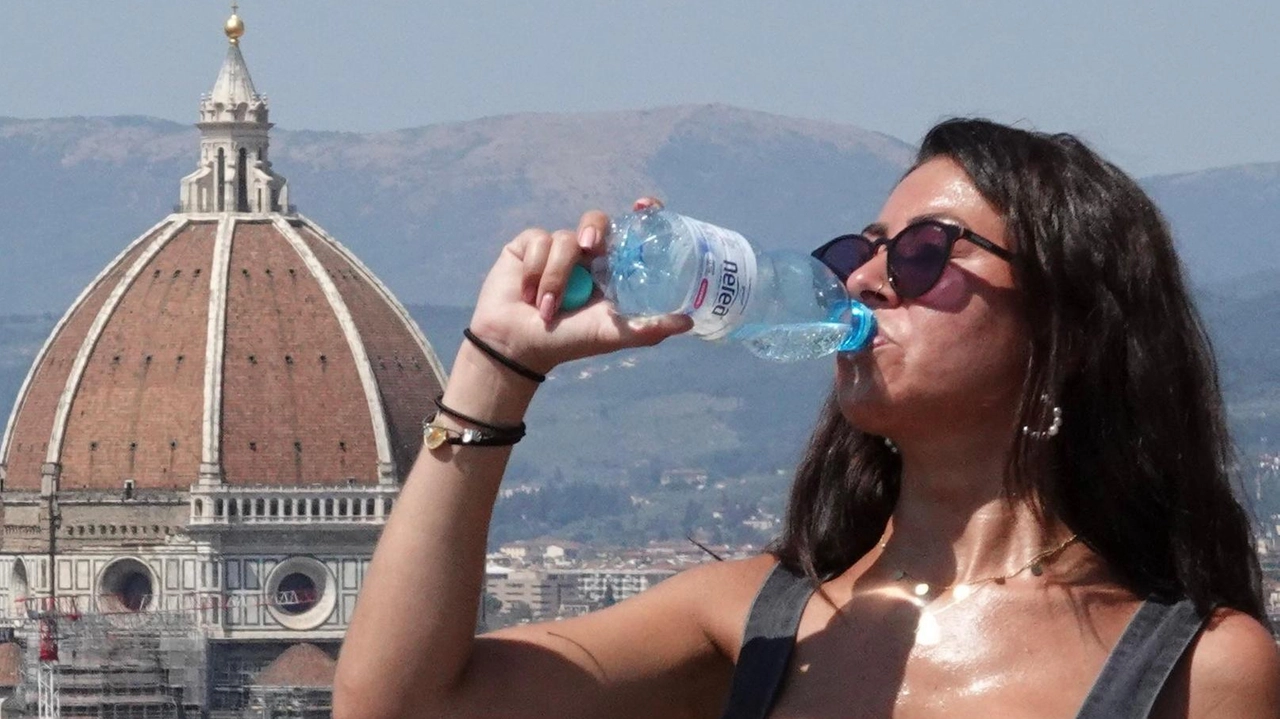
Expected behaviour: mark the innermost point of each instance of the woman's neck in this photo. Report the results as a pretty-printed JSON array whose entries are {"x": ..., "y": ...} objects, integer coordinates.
[{"x": 954, "y": 521}]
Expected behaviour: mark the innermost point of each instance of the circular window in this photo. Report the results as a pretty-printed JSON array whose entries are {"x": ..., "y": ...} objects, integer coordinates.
[
  {"x": 301, "y": 593},
  {"x": 126, "y": 585},
  {"x": 297, "y": 594}
]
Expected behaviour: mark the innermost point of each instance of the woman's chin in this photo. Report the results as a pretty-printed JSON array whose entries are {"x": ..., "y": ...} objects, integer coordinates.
[
  {"x": 863, "y": 408},
  {"x": 857, "y": 385}
]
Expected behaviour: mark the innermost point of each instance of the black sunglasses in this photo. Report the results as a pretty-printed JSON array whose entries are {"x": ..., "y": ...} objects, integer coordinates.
[{"x": 917, "y": 255}]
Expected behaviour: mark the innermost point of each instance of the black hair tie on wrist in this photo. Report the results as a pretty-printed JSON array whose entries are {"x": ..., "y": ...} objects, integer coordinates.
[
  {"x": 502, "y": 359},
  {"x": 498, "y": 429}
]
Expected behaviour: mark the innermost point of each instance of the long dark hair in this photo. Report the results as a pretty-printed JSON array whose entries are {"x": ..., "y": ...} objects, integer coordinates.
[{"x": 1141, "y": 466}]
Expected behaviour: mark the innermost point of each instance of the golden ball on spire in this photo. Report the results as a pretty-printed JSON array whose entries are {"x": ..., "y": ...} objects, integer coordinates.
[{"x": 234, "y": 28}]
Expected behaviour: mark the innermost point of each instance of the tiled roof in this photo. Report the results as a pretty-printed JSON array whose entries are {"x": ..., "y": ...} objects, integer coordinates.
[{"x": 301, "y": 665}]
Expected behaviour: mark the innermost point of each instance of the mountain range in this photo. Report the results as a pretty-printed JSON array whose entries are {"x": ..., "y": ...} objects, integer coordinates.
[{"x": 428, "y": 208}]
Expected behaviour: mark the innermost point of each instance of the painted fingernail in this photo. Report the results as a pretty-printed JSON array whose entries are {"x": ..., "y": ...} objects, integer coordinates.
[
  {"x": 547, "y": 307},
  {"x": 640, "y": 205},
  {"x": 587, "y": 238}
]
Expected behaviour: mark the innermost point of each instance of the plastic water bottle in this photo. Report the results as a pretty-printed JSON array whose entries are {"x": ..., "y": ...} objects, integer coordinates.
[{"x": 782, "y": 305}]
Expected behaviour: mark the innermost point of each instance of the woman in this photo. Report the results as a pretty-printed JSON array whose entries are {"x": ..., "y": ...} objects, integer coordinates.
[{"x": 1033, "y": 449}]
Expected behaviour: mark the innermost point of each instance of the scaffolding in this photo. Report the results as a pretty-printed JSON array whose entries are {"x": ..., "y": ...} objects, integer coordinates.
[
  {"x": 290, "y": 702},
  {"x": 112, "y": 665},
  {"x": 151, "y": 661}
]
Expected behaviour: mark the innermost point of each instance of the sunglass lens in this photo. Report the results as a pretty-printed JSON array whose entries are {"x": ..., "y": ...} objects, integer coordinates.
[
  {"x": 918, "y": 258},
  {"x": 845, "y": 254}
]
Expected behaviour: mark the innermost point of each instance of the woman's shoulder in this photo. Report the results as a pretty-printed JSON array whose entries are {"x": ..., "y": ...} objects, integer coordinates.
[
  {"x": 729, "y": 582},
  {"x": 1233, "y": 669},
  {"x": 722, "y": 593}
]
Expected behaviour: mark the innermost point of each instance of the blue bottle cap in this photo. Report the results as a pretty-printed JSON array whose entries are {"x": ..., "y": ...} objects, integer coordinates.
[
  {"x": 862, "y": 327},
  {"x": 578, "y": 290}
]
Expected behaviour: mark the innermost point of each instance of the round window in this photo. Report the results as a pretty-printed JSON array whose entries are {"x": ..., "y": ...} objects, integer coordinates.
[
  {"x": 296, "y": 594},
  {"x": 301, "y": 593}
]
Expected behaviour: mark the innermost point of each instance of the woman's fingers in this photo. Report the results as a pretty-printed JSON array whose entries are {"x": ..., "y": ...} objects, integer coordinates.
[
  {"x": 563, "y": 254},
  {"x": 612, "y": 332},
  {"x": 593, "y": 226},
  {"x": 533, "y": 246},
  {"x": 645, "y": 203},
  {"x": 645, "y": 331},
  {"x": 533, "y": 274}
]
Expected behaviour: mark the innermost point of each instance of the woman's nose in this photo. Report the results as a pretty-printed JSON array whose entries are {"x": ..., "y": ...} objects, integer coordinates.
[{"x": 869, "y": 282}]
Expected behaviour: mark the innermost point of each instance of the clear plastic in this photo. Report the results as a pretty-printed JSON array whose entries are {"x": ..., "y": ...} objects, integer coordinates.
[{"x": 781, "y": 305}]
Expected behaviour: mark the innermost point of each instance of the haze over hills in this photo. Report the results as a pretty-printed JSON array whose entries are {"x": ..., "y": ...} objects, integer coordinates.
[
  {"x": 428, "y": 208},
  {"x": 1227, "y": 224}
]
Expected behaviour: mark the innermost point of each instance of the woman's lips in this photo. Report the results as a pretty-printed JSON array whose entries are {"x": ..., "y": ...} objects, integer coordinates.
[{"x": 878, "y": 340}]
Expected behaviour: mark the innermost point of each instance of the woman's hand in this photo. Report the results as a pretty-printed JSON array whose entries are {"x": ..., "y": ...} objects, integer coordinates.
[{"x": 518, "y": 308}]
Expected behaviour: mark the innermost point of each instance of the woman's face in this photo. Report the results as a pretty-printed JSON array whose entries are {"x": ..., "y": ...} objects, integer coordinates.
[{"x": 952, "y": 359}]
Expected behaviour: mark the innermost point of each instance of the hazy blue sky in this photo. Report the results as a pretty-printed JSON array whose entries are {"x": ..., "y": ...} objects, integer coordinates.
[{"x": 1159, "y": 87}]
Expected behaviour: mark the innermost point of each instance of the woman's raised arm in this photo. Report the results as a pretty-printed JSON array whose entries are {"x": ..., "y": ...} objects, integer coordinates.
[{"x": 410, "y": 650}]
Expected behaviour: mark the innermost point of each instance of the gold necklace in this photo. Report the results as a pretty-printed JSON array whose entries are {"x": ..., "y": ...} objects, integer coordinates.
[{"x": 961, "y": 590}]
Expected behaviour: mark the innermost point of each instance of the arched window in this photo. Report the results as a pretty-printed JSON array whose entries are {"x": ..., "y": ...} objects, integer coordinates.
[
  {"x": 220, "y": 179},
  {"x": 242, "y": 181}
]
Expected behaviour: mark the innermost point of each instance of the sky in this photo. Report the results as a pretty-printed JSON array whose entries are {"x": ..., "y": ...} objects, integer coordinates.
[{"x": 1157, "y": 87}]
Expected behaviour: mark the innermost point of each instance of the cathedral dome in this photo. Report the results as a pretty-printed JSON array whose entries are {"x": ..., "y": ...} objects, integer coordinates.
[
  {"x": 206, "y": 448},
  {"x": 234, "y": 343},
  {"x": 248, "y": 349}
]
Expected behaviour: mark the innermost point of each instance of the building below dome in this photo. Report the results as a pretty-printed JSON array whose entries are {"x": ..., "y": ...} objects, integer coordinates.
[{"x": 199, "y": 463}]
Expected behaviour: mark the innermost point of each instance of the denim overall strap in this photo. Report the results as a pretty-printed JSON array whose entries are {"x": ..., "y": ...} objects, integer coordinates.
[
  {"x": 767, "y": 643},
  {"x": 1137, "y": 669}
]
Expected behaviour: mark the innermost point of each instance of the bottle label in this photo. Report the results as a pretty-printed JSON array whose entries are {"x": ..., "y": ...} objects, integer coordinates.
[{"x": 725, "y": 279}]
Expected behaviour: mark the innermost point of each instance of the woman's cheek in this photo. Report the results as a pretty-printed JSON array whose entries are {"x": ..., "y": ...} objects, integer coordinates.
[{"x": 950, "y": 294}]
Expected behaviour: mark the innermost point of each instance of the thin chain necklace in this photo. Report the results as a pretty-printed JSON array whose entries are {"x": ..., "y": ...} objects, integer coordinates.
[{"x": 961, "y": 590}]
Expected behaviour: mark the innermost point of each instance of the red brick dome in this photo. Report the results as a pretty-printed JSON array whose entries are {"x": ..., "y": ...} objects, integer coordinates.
[
  {"x": 237, "y": 348},
  {"x": 301, "y": 665}
]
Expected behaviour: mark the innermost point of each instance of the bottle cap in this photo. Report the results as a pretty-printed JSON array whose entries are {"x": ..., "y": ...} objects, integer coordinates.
[
  {"x": 578, "y": 290},
  {"x": 862, "y": 327}
]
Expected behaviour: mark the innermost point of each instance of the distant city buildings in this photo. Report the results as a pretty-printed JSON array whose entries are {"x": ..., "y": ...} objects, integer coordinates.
[
  {"x": 1269, "y": 554},
  {"x": 552, "y": 579}
]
